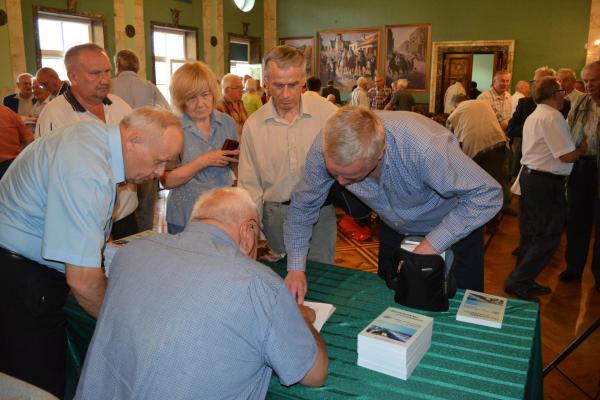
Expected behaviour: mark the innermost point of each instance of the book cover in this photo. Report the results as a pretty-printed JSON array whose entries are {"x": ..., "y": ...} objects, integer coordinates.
[
  {"x": 322, "y": 311},
  {"x": 482, "y": 309},
  {"x": 396, "y": 326}
]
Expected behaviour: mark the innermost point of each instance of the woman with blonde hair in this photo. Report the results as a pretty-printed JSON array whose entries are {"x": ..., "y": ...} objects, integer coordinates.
[{"x": 203, "y": 165}]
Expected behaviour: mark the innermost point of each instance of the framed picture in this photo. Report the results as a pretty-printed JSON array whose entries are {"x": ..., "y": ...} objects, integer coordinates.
[
  {"x": 345, "y": 55},
  {"x": 407, "y": 55},
  {"x": 305, "y": 45}
]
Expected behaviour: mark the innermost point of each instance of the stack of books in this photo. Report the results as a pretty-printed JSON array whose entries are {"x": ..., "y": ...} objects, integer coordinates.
[
  {"x": 111, "y": 248},
  {"x": 395, "y": 342},
  {"x": 482, "y": 309}
]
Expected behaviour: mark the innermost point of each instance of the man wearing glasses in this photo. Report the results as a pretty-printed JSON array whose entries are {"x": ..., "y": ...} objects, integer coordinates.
[
  {"x": 47, "y": 78},
  {"x": 548, "y": 156},
  {"x": 209, "y": 321},
  {"x": 231, "y": 103}
]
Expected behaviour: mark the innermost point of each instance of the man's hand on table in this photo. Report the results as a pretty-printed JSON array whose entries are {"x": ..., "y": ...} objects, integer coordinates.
[
  {"x": 425, "y": 248},
  {"x": 296, "y": 284}
]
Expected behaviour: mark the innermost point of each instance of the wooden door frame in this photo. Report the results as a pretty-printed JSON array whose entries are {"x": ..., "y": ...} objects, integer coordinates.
[{"x": 507, "y": 47}]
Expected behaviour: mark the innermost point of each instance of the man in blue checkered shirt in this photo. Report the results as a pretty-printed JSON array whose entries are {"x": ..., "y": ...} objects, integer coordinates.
[{"x": 412, "y": 172}]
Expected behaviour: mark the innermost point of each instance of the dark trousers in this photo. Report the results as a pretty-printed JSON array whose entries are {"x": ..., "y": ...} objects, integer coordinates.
[
  {"x": 124, "y": 227},
  {"x": 542, "y": 217},
  {"x": 351, "y": 204},
  {"x": 33, "y": 342},
  {"x": 4, "y": 166},
  {"x": 583, "y": 208},
  {"x": 468, "y": 257},
  {"x": 492, "y": 162}
]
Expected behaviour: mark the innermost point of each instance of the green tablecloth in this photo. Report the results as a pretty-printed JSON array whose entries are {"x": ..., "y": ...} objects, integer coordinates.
[{"x": 465, "y": 361}]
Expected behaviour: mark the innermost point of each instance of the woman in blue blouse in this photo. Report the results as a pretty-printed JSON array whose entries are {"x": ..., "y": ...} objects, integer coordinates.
[{"x": 203, "y": 165}]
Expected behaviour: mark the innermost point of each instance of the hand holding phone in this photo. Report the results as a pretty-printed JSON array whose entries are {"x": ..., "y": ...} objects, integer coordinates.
[{"x": 230, "y": 144}]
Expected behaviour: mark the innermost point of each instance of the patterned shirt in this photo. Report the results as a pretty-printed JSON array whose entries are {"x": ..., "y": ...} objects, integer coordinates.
[
  {"x": 583, "y": 120},
  {"x": 428, "y": 186},
  {"x": 190, "y": 316},
  {"x": 501, "y": 103},
  {"x": 236, "y": 111},
  {"x": 379, "y": 98}
]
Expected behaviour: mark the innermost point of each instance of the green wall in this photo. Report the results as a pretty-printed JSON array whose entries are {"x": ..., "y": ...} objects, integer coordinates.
[
  {"x": 159, "y": 11},
  {"x": 6, "y": 78},
  {"x": 552, "y": 32},
  {"x": 232, "y": 23},
  {"x": 104, "y": 8}
]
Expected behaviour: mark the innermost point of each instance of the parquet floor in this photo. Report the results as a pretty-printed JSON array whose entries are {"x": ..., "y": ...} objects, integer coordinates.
[{"x": 565, "y": 313}]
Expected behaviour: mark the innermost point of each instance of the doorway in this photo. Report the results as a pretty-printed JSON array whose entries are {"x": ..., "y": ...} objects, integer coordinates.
[{"x": 451, "y": 60}]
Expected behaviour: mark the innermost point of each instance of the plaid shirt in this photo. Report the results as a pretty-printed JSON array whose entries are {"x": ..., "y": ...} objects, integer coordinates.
[
  {"x": 501, "y": 103},
  {"x": 379, "y": 98}
]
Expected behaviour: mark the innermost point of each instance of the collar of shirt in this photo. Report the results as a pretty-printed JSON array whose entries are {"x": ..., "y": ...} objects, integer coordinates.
[
  {"x": 116, "y": 151},
  {"x": 499, "y": 96},
  {"x": 306, "y": 111},
  {"x": 128, "y": 73},
  {"x": 77, "y": 105},
  {"x": 199, "y": 226},
  {"x": 216, "y": 118}
]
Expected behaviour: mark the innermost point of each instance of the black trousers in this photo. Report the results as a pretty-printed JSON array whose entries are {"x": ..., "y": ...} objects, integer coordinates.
[
  {"x": 542, "y": 218},
  {"x": 124, "y": 227},
  {"x": 583, "y": 208},
  {"x": 351, "y": 204},
  {"x": 4, "y": 166},
  {"x": 468, "y": 257},
  {"x": 32, "y": 324}
]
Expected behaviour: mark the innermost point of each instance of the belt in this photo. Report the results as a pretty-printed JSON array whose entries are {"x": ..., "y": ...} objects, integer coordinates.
[
  {"x": 548, "y": 175},
  {"x": 13, "y": 255}
]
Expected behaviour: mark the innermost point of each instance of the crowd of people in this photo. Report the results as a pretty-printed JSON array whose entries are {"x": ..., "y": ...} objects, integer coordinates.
[{"x": 239, "y": 163}]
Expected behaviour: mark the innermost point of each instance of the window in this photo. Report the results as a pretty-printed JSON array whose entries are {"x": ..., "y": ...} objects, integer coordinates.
[
  {"x": 57, "y": 33},
  {"x": 243, "y": 58},
  {"x": 172, "y": 48}
]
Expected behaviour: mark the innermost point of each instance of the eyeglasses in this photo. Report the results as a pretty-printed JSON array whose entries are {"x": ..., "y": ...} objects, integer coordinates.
[
  {"x": 256, "y": 226},
  {"x": 560, "y": 91}
]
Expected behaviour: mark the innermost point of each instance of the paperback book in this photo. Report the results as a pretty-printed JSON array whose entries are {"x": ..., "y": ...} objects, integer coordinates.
[
  {"x": 482, "y": 309},
  {"x": 322, "y": 311}
]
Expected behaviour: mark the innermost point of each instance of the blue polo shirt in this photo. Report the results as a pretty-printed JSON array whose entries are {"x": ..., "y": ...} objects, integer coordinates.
[{"x": 57, "y": 197}]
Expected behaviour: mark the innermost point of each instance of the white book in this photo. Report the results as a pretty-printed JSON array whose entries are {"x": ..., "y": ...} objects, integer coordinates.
[
  {"x": 482, "y": 309},
  {"x": 396, "y": 330},
  {"x": 322, "y": 311}
]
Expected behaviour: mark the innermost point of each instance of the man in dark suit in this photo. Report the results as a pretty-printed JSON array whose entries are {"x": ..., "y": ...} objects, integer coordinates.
[
  {"x": 525, "y": 107},
  {"x": 329, "y": 89},
  {"x": 22, "y": 101}
]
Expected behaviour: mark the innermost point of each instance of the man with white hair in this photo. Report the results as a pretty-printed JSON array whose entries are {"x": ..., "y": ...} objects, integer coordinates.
[
  {"x": 412, "y": 172},
  {"x": 21, "y": 102},
  {"x": 402, "y": 100},
  {"x": 88, "y": 100},
  {"x": 56, "y": 203},
  {"x": 231, "y": 103},
  {"x": 273, "y": 151},
  {"x": 208, "y": 321},
  {"x": 521, "y": 90},
  {"x": 566, "y": 78}
]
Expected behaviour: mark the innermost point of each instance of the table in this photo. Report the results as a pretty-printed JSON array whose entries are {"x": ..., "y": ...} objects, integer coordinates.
[{"x": 465, "y": 361}]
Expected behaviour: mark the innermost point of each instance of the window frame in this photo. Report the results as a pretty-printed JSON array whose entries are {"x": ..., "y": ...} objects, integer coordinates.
[
  {"x": 190, "y": 33},
  {"x": 97, "y": 27}
]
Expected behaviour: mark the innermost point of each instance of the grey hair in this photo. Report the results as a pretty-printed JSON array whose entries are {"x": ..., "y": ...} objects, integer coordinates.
[
  {"x": 152, "y": 121},
  {"x": 285, "y": 57},
  {"x": 546, "y": 70},
  {"x": 402, "y": 84},
  {"x": 71, "y": 55},
  {"x": 229, "y": 205},
  {"x": 351, "y": 133},
  {"x": 545, "y": 89},
  {"x": 226, "y": 81}
]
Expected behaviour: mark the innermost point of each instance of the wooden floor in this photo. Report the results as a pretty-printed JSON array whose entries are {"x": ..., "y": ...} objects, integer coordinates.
[{"x": 565, "y": 313}]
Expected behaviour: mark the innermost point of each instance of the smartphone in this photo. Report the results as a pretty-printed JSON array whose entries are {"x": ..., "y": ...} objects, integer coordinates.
[{"x": 230, "y": 144}]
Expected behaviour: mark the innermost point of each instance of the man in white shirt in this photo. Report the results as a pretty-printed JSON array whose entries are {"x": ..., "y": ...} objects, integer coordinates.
[
  {"x": 522, "y": 89},
  {"x": 548, "y": 156},
  {"x": 138, "y": 92},
  {"x": 88, "y": 100},
  {"x": 274, "y": 145},
  {"x": 453, "y": 90},
  {"x": 566, "y": 78}
]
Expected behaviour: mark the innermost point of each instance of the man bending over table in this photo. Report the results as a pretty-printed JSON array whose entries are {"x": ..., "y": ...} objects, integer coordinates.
[
  {"x": 412, "y": 173},
  {"x": 193, "y": 316}
]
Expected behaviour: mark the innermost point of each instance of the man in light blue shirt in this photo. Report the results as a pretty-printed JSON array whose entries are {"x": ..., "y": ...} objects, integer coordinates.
[
  {"x": 191, "y": 316},
  {"x": 56, "y": 203},
  {"x": 408, "y": 169}
]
